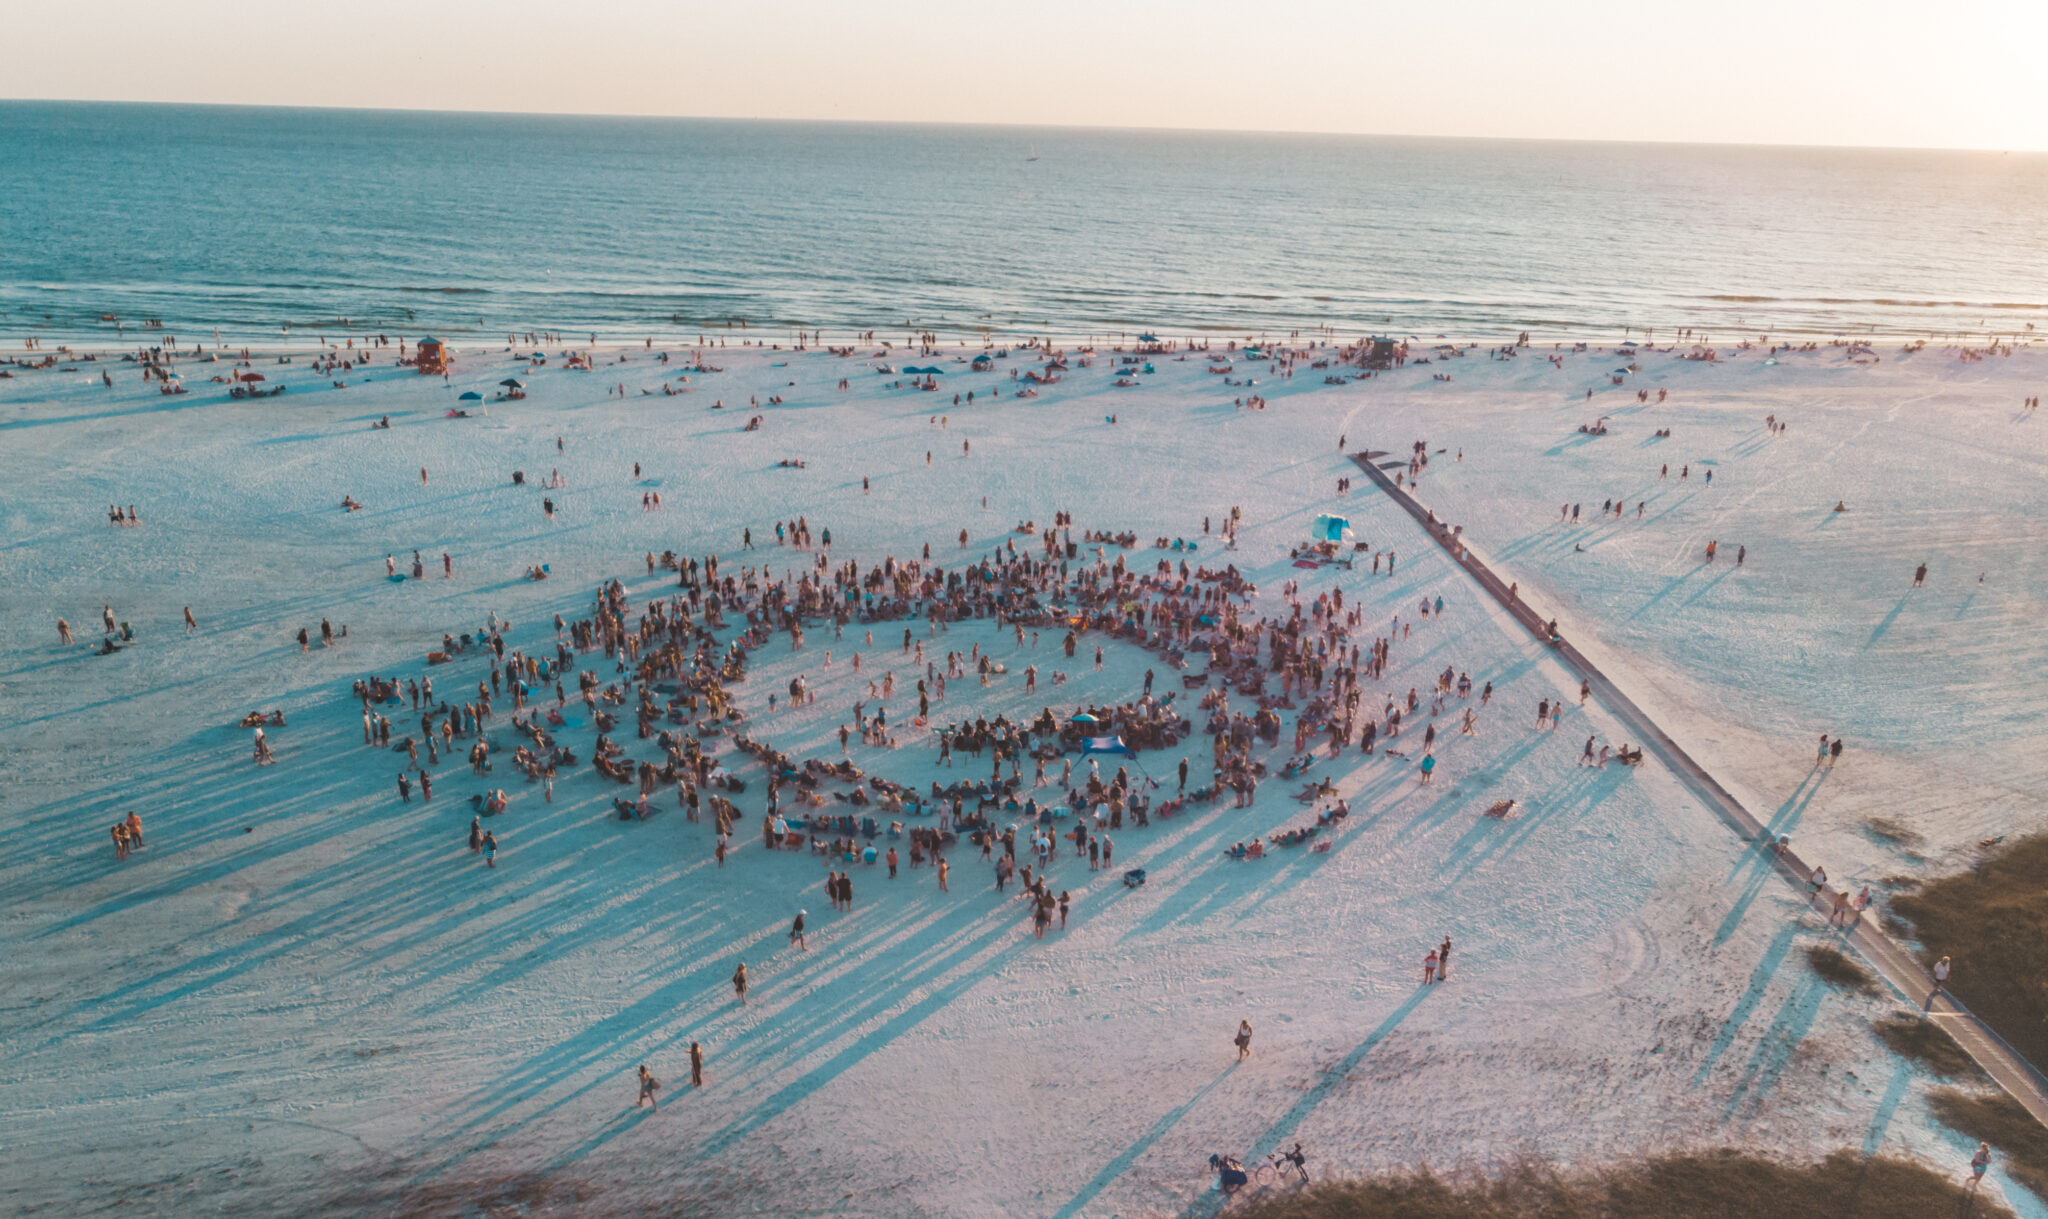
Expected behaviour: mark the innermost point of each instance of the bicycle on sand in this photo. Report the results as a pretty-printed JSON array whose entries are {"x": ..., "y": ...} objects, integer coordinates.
[{"x": 1282, "y": 1166}]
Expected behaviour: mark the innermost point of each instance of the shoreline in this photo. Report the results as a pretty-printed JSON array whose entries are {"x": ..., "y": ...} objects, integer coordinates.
[{"x": 14, "y": 344}]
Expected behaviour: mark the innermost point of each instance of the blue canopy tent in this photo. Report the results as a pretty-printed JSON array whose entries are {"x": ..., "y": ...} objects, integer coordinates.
[
  {"x": 1329, "y": 528},
  {"x": 1105, "y": 744}
]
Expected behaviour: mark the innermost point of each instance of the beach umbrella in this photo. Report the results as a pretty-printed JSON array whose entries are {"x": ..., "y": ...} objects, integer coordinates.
[
  {"x": 513, "y": 383},
  {"x": 1082, "y": 718},
  {"x": 252, "y": 376},
  {"x": 471, "y": 396}
]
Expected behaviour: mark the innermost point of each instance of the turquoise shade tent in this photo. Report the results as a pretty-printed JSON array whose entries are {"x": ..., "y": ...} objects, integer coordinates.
[{"x": 1330, "y": 528}]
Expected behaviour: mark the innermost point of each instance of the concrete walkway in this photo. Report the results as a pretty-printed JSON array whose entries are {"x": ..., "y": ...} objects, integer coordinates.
[{"x": 2013, "y": 1073}]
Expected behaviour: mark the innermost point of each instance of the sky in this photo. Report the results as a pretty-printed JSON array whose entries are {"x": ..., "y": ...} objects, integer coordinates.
[{"x": 1872, "y": 72}]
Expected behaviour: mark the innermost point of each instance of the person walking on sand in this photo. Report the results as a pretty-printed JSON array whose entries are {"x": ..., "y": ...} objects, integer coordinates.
[
  {"x": 63, "y": 631},
  {"x": 1429, "y": 968},
  {"x": 796, "y": 932},
  {"x": 648, "y": 1086},
  {"x": 191, "y": 623},
  {"x": 1243, "y": 1040},
  {"x": 1979, "y": 1165},
  {"x": 739, "y": 983},
  {"x": 1919, "y": 575},
  {"x": 943, "y": 867},
  {"x": 696, "y": 1065}
]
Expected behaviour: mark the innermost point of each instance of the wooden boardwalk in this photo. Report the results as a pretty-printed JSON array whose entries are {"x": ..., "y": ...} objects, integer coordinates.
[{"x": 1999, "y": 1060}]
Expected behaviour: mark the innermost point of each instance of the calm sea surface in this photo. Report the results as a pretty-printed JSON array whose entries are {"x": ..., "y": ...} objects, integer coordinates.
[{"x": 257, "y": 220}]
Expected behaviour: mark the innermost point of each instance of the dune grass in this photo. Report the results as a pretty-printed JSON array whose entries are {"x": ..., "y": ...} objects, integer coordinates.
[
  {"x": 2004, "y": 1123},
  {"x": 1708, "y": 1185},
  {"x": 1928, "y": 1044},
  {"x": 1992, "y": 922},
  {"x": 1837, "y": 969}
]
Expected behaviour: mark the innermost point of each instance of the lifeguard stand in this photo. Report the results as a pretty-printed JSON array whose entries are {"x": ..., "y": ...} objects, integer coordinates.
[{"x": 431, "y": 358}]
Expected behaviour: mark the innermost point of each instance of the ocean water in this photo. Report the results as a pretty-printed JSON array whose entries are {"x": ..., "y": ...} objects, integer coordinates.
[{"x": 263, "y": 222}]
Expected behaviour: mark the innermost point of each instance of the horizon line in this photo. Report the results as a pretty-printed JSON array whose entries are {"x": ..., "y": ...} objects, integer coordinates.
[{"x": 1014, "y": 126}]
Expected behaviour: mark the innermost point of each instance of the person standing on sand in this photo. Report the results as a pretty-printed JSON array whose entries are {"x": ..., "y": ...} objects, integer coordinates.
[
  {"x": 63, "y": 631},
  {"x": 1443, "y": 960},
  {"x": 943, "y": 867},
  {"x": 648, "y": 1086},
  {"x": 1243, "y": 1040},
  {"x": 1979, "y": 1165},
  {"x": 739, "y": 983},
  {"x": 696, "y": 1065},
  {"x": 191, "y": 623},
  {"x": 490, "y": 850},
  {"x": 404, "y": 788},
  {"x": 1429, "y": 968},
  {"x": 796, "y": 932}
]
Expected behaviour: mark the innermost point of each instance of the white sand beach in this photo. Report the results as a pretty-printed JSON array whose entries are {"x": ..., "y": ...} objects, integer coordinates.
[{"x": 304, "y": 994}]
